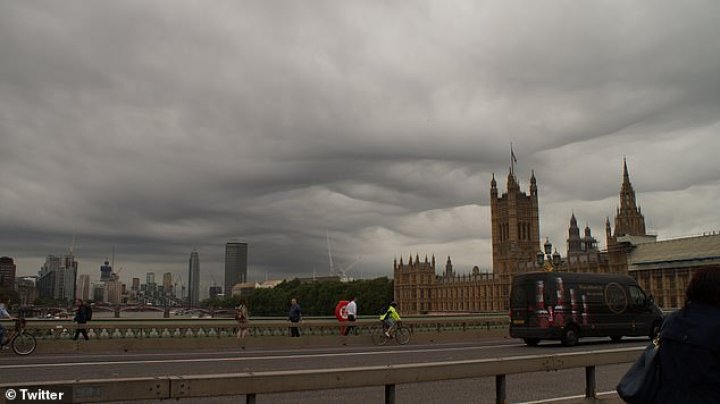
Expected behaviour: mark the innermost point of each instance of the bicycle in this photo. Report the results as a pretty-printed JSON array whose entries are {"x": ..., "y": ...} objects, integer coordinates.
[
  {"x": 400, "y": 333},
  {"x": 21, "y": 342}
]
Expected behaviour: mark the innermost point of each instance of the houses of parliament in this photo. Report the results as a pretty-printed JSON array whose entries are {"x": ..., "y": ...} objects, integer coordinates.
[{"x": 662, "y": 268}]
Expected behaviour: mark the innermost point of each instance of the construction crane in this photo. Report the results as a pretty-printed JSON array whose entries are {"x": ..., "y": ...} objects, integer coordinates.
[
  {"x": 118, "y": 272},
  {"x": 332, "y": 265}
]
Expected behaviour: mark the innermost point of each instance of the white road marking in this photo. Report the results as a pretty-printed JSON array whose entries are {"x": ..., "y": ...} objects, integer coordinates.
[{"x": 245, "y": 358}]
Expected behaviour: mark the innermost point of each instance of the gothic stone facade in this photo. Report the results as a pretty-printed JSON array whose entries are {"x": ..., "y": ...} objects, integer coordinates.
[
  {"x": 419, "y": 290},
  {"x": 663, "y": 268}
]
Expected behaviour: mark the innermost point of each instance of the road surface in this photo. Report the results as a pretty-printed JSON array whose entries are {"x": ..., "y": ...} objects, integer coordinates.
[{"x": 520, "y": 388}]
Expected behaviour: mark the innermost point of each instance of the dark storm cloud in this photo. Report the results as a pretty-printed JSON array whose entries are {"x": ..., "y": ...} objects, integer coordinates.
[{"x": 160, "y": 127}]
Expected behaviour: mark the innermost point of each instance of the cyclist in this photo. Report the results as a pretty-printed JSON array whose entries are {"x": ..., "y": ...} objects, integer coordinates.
[
  {"x": 3, "y": 315},
  {"x": 389, "y": 318}
]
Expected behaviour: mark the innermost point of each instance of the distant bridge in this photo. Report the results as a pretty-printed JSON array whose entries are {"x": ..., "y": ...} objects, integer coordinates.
[{"x": 40, "y": 311}]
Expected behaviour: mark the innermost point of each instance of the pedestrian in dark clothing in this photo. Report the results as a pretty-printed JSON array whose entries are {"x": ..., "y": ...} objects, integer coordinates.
[
  {"x": 82, "y": 316},
  {"x": 690, "y": 344},
  {"x": 295, "y": 318}
]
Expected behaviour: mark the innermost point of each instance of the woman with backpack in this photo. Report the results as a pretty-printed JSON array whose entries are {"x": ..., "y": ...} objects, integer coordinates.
[{"x": 242, "y": 316}]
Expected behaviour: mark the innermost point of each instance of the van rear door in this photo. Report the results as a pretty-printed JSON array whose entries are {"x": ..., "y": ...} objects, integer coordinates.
[{"x": 522, "y": 303}]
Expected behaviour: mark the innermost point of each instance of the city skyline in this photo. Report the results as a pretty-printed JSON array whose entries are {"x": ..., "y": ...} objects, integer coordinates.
[{"x": 159, "y": 129}]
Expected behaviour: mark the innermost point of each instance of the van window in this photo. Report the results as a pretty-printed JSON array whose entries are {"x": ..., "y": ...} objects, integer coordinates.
[
  {"x": 519, "y": 296},
  {"x": 637, "y": 296},
  {"x": 524, "y": 295}
]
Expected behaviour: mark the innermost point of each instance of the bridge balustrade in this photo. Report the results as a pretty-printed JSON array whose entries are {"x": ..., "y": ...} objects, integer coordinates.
[{"x": 226, "y": 328}]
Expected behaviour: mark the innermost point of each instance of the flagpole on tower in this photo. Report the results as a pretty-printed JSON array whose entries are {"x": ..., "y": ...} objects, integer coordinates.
[{"x": 513, "y": 160}]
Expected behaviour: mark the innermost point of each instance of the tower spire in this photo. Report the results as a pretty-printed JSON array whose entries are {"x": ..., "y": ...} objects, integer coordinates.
[
  {"x": 626, "y": 176},
  {"x": 629, "y": 220}
]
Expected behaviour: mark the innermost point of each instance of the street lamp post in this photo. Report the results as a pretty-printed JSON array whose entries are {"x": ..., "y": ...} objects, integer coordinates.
[{"x": 547, "y": 259}]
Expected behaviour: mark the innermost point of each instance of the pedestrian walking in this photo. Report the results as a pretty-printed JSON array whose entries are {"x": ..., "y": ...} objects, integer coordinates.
[
  {"x": 83, "y": 314},
  {"x": 351, "y": 315},
  {"x": 3, "y": 315},
  {"x": 242, "y": 316},
  {"x": 295, "y": 318}
]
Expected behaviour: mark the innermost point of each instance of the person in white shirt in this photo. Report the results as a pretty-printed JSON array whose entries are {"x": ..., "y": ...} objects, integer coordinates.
[
  {"x": 4, "y": 315},
  {"x": 351, "y": 309}
]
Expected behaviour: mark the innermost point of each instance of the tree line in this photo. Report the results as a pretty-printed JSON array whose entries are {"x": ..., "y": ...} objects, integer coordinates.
[{"x": 315, "y": 298}]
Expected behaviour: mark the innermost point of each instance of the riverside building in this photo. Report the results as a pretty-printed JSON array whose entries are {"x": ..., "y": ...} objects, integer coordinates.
[{"x": 662, "y": 268}]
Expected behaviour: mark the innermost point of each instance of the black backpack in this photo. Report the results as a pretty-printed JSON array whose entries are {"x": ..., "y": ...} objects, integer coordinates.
[{"x": 88, "y": 313}]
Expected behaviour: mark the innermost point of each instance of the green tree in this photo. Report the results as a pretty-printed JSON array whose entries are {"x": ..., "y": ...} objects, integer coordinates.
[{"x": 320, "y": 298}]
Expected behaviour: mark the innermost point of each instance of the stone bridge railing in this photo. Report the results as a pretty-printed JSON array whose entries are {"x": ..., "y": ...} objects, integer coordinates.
[{"x": 224, "y": 328}]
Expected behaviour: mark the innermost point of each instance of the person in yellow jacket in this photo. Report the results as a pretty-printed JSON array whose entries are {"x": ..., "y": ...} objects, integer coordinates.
[{"x": 389, "y": 318}]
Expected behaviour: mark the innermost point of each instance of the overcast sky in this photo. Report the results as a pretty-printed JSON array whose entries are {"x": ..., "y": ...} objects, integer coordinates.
[{"x": 159, "y": 127}]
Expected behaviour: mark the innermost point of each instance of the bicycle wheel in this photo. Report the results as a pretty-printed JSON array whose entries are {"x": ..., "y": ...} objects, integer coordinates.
[
  {"x": 24, "y": 344},
  {"x": 402, "y": 335},
  {"x": 378, "y": 337}
]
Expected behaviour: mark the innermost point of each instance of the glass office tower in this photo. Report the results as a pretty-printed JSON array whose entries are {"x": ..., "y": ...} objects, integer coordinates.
[
  {"x": 235, "y": 265},
  {"x": 194, "y": 279}
]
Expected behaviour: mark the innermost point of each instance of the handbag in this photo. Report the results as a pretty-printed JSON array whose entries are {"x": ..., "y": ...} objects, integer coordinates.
[{"x": 642, "y": 381}]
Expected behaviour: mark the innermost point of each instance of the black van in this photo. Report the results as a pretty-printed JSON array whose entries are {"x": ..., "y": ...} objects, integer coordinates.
[{"x": 567, "y": 306}]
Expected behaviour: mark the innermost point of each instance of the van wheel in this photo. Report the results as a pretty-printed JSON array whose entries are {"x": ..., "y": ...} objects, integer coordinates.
[
  {"x": 655, "y": 329},
  {"x": 531, "y": 341},
  {"x": 570, "y": 336}
]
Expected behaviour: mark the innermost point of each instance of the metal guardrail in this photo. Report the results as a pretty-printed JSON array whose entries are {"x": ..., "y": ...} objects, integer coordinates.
[{"x": 252, "y": 384}]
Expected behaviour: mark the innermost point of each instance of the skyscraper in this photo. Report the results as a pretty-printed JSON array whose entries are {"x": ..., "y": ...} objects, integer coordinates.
[
  {"x": 105, "y": 271},
  {"x": 151, "y": 288},
  {"x": 70, "y": 268},
  {"x": 114, "y": 290},
  {"x": 194, "y": 279},
  {"x": 7, "y": 273},
  {"x": 235, "y": 265},
  {"x": 98, "y": 292},
  {"x": 167, "y": 284},
  {"x": 49, "y": 278}
]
